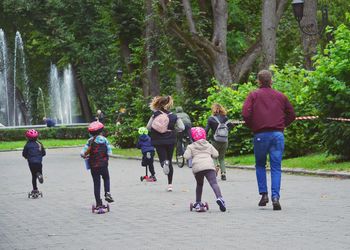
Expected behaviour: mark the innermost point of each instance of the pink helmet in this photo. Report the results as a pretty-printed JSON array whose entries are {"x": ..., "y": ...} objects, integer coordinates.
[
  {"x": 95, "y": 126},
  {"x": 198, "y": 133},
  {"x": 32, "y": 134}
]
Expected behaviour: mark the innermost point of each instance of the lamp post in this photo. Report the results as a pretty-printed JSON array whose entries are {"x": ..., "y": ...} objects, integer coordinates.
[
  {"x": 119, "y": 74},
  {"x": 298, "y": 10}
]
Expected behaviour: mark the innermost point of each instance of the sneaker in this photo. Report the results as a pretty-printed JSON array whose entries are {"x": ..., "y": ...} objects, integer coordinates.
[
  {"x": 153, "y": 177},
  {"x": 221, "y": 204},
  {"x": 264, "y": 200},
  {"x": 166, "y": 168},
  {"x": 198, "y": 206},
  {"x": 276, "y": 204},
  {"x": 40, "y": 178},
  {"x": 223, "y": 177},
  {"x": 108, "y": 197},
  {"x": 35, "y": 192},
  {"x": 170, "y": 188}
]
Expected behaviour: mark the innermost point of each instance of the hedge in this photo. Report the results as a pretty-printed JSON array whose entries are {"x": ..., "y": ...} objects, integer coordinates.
[{"x": 48, "y": 133}]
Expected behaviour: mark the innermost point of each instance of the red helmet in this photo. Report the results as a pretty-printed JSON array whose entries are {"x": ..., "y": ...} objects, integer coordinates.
[
  {"x": 95, "y": 126},
  {"x": 32, "y": 134}
]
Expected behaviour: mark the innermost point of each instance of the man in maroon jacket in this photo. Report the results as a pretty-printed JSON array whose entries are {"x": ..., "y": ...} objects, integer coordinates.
[{"x": 267, "y": 112}]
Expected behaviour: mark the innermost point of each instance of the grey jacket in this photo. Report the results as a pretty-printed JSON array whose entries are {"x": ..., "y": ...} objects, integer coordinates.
[{"x": 202, "y": 154}]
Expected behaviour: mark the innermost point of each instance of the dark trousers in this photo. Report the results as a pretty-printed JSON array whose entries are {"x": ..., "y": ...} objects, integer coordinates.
[
  {"x": 35, "y": 168},
  {"x": 148, "y": 161},
  {"x": 180, "y": 135},
  {"x": 211, "y": 178},
  {"x": 96, "y": 177},
  {"x": 165, "y": 152}
]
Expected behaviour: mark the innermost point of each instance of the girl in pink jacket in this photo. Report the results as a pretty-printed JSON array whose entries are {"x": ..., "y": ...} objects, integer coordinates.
[{"x": 202, "y": 153}]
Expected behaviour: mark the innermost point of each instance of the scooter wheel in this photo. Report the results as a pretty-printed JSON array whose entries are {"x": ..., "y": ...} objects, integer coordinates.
[
  {"x": 93, "y": 208},
  {"x": 207, "y": 206},
  {"x": 141, "y": 178},
  {"x": 108, "y": 208},
  {"x": 41, "y": 194},
  {"x": 29, "y": 195},
  {"x": 191, "y": 206}
]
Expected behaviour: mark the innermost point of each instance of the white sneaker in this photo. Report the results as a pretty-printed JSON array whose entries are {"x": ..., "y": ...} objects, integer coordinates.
[
  {"x": 170, "y": 188},
  {"x": 166, "y": 168}
]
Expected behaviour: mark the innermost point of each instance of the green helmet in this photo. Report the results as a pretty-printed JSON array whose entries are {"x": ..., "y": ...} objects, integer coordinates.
[{"x": 143, "y": 131}]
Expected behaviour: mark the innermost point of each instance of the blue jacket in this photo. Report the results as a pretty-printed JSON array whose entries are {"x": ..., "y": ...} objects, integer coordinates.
[
  {"x": 34, "y": 151},
  {"x": 145, "y": 144}
]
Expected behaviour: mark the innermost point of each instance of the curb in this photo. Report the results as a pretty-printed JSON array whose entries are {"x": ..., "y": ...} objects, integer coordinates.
[{"x": 297, "y": 171}]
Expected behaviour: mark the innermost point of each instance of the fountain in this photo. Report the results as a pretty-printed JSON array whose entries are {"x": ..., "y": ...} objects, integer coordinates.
[
  {"x": 41, "y": 98},
  {"x": 4, "y": 96},
  {"x": 63, "y": 96},
  {"x": 15, "y": 104},
  {"x": 14, "y": 95}
]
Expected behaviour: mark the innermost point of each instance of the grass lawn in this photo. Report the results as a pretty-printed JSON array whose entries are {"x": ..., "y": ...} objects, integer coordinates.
[
  {"x": 46, "y": 142},
  {"x": 311, "y": 162}
]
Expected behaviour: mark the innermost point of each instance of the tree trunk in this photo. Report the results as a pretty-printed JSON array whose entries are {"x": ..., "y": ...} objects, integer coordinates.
[
  {"x": 220, "y": 63},
  {"x": 83, "y": 99},
  {"x": 268, "y": 31},
  {"x": 244, "y": 65},
  {"x": 152, "y": 69},
  {"x": 126, "y": 53},
  {"x": 309, "y": 24}
]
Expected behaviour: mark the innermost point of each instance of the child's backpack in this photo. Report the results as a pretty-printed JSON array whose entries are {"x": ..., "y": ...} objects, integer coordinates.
[
  {"x": 221, "y": 132},
  {"x": 98, "y": 156},
  {"x": 160, "y": 123}
]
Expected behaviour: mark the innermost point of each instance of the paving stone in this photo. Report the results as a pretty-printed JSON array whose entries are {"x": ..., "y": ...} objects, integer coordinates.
[{"x": 315, "y": 211}]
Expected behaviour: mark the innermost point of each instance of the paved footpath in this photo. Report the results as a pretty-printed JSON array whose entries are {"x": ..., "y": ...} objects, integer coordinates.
[{"x": 315, "y": 211}]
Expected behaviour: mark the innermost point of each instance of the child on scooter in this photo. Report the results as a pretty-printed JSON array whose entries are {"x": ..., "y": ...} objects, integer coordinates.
[
  {"x": 34, "y": 151},
  {"x": 202, "y": 153},
  {"x": 97, "y": 150},
  {"x": 144, "y": 143}
]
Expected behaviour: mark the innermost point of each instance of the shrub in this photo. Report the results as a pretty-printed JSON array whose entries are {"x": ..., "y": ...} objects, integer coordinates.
[
  {"x": 232, "y": 100},
  {"x": 136, "y": 115},
  {"x": 302, "y": 136},
  {"x": 49, "y": 133},
  {"x": 332, "y": 91}
]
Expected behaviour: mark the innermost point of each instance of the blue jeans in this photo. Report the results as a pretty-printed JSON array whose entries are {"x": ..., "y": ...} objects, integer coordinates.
[{"x": 271, "y": 143}]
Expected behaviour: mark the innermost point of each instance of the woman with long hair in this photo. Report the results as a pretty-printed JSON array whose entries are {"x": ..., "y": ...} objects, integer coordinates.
[
  {"x": 219, "y": 116},
  {"x": 162, "y": 125}
]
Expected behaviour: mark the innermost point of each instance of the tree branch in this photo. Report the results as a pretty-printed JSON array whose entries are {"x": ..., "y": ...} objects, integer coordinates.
[
  {"x": 188, "y": 12},
  {"x": 281, "y": 6},
  {"x": 185, "y": 38},
  {"x": 245, "y": 63}
]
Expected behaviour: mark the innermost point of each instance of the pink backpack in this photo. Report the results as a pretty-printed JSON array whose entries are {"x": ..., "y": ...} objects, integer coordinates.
[{"x": 160, "y": 123}]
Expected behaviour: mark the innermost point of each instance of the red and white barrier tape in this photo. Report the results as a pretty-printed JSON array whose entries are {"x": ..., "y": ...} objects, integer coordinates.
[
  {"x": 307, "y": 117},
  {"x": 303, "y": 118},
  {"x": 339, "y": 119}
]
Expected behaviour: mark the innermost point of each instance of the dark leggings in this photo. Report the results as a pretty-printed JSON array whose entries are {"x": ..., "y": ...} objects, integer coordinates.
[
  {"x": 35, "y": 168},
  {"x": 211, "y": 177},
  {"x": 96, "y": 176},
  {"x": 148, "y": 162},
  {"x": 165, "y": 152}
]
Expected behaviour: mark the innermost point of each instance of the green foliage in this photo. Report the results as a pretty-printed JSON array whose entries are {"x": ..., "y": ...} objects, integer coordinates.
[
  {"x": 302, "y": 137},
  {"x": 232, "y": 100},
  {"x": 136, "y": 113},
  {"x": 332, "y": 90}
]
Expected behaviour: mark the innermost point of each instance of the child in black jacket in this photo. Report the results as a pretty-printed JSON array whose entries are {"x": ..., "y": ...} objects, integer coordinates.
[
  {"x": 144, "y": 143},
  {"x": 34, "y": 151}
]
